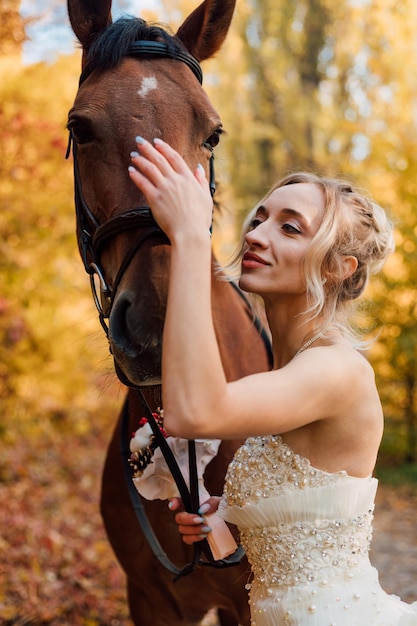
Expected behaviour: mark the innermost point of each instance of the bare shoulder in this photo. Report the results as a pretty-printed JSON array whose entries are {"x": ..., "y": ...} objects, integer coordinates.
[
  {"x": 359, "y": 389},
  {"x": 340, "y": 378},
  {"x": 347, "y": 432},
  {"x": 352, "y": 361},
  {"x": 336, "y": 361}
]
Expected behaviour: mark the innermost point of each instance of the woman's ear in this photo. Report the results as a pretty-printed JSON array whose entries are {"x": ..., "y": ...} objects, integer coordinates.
[{"x": 348, "y": 266}]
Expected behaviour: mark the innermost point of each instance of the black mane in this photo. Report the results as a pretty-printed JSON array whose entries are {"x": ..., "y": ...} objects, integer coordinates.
[{"x": 111, "y": 46}]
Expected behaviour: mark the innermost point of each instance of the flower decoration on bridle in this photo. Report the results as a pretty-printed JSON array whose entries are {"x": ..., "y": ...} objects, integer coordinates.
[{"x": 143, "y": 443}]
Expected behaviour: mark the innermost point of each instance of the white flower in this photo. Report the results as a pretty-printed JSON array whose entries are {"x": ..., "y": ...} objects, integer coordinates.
[
  {"x": 156, "y": 481},
  {"x": 142, "y": 438}
]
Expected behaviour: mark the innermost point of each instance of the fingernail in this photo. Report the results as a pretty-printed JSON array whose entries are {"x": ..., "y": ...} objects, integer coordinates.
[
  {"x": 134, "y": 154},
  {"x": 204, "y": 508},
  {"x": 157, "y": 141},
  {"x": 198, "y": 520},
  {"x": 200, "y": 167},
  {"x": 140, "y": 140},
  {"x": 170, "y": 505},
  {"x": 206, "y": 529},
  {"x": 202, "y": 536},
  {"x": 131, "y": 168}
]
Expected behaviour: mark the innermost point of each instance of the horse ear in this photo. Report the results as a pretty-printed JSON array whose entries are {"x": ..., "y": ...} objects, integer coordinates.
[
  {"x": 205, "y": 29},
  {"x": 88, "y": 19}
]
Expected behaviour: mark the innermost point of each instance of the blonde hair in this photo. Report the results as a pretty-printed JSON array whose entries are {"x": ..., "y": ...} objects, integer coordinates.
[{"x": 352, "y": 225}]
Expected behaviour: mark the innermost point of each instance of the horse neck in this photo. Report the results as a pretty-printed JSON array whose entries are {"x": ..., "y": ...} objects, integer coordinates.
[{"x": 242, "y": 348}]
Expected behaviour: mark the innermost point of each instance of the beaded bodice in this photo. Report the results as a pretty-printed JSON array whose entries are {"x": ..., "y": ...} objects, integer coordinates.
[
  {"x": 297, "y": 524},
  {"x": 265, "y": 467}
]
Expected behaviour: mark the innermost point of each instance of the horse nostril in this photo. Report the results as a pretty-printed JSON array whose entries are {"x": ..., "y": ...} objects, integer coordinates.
[
  {"x": 134, "y": 331},
  {"x": 120, "y": 333}
]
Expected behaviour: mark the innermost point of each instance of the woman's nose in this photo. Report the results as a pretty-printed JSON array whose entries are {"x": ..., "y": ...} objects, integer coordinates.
[{"x": 257, "y": 236}]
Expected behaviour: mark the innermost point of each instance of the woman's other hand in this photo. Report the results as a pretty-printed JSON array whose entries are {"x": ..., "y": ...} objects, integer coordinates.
[{"x": 192, "y": 527}]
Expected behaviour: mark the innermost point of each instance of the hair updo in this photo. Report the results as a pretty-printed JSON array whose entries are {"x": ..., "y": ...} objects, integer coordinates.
[{"x": 352, "y": 225}]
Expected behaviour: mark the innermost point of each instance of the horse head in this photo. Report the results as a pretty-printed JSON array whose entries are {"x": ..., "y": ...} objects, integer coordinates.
[{"x": 137, "y": 79}]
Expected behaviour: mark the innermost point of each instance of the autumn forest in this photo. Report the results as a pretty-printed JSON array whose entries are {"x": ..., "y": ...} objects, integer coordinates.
[{"x": 308, "y": 84}]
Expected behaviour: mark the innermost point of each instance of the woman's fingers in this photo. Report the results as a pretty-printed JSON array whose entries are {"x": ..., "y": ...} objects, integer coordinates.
[
  {"x": 209, "y": 506},
  {"x": 172, "y": 157},
  {"x": 157, "y": 167},
  {"x": 179, "y": 198},
  {"x": 162, "y": 156},
  {"x": 151, "y": 169},
  {"x": 192, "y": 527},
  {"x": 175, "y": 504},
  {"x": 140, "y": 177}
]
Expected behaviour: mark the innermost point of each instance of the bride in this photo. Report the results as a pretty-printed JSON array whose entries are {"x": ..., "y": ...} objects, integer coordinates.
[{"x": 300, "y": 489}]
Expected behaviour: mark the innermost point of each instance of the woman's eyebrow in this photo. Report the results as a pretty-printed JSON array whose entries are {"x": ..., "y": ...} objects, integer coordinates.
[
  {"x": 293, "y": 213},
  {"x": 261, "y": 209},
  {"x": 285, "y": 212}
]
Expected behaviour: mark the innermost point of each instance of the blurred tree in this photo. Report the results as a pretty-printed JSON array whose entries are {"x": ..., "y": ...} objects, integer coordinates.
[
  {"x": 48, "y": 360},
  {"x": 272, "y": 100},
  {"x": 328, "y": 86},
  {"x": 384, "y": 106},
  {"x": 12, "y": 31},
  {"x": 310, "y": 84}
]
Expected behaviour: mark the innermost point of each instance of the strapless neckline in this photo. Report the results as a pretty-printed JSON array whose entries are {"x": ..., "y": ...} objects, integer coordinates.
[{"x": 285, "y": 445}]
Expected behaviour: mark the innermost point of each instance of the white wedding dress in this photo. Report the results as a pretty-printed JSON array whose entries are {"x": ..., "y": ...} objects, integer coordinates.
[{"x": 307, "y": 535}]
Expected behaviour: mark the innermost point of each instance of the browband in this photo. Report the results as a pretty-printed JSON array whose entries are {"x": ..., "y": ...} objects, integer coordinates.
[{"x": 155, "y": 49}]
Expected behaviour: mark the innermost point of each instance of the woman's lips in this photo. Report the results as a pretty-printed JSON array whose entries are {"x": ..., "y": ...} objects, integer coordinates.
[{"x": 252, "y": 260}]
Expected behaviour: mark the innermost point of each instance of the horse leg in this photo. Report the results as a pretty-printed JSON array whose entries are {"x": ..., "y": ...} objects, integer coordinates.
[{"x": 153, "y": 606}]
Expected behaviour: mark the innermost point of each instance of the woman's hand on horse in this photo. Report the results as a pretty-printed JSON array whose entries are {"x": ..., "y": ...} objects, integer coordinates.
[
  {"x": 180, "y": 199},
  {"x": 193, "y": 527}
]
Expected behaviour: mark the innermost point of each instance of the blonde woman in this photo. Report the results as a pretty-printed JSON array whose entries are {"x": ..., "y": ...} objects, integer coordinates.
[{"x": 300, "y": 489}]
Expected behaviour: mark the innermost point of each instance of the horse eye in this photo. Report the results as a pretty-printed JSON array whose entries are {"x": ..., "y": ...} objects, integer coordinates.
[
  {"x": 81, "y": 131},
  {"x": 214, "y": 138}
]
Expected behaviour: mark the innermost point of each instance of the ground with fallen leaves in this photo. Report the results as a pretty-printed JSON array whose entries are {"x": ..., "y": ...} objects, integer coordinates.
[{"x": 56, "y": 566}]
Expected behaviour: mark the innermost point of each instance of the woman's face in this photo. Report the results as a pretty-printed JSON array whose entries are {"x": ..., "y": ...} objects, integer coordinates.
[{"x": 275, "y": 247}]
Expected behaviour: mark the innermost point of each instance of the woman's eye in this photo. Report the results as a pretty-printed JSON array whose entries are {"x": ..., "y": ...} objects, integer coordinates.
[
  {"x": 254, "y": 223},
  {"x": 290, "y": 228}
]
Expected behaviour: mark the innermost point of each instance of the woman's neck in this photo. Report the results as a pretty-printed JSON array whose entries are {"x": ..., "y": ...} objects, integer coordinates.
[{"x": 290, "y": 332}]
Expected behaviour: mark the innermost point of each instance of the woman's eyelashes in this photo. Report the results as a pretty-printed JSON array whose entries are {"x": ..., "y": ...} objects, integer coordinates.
[
  {"x": 254, "y": 223},
  {"x": 288, "y": 227},
  {"x": 291, "y": 229}
]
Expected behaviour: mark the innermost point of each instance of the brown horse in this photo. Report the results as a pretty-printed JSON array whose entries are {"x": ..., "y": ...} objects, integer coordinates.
[{"x": 128, "y": 89}]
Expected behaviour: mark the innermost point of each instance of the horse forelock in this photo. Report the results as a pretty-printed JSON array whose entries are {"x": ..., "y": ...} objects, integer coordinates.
[{"x": 112, "y": 45}]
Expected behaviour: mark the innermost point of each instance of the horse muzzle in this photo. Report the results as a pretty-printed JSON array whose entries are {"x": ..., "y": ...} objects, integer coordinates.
[{"x": 135, "y": 339}]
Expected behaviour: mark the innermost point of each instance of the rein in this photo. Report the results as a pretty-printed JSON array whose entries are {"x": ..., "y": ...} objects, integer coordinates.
[
  {"x": 93, "y": 237},
  {"x": 189, "y": 497}
]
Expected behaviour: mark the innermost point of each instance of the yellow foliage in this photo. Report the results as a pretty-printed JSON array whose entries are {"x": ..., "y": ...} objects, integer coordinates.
[{"x": 320, "y": 85}]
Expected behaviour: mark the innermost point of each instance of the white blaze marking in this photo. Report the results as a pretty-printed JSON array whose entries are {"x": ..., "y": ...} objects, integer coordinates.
[{"x": 148, "y": 83}]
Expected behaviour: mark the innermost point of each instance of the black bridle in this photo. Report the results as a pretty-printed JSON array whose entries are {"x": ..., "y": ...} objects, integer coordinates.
[{"x": 93, "y": 237}]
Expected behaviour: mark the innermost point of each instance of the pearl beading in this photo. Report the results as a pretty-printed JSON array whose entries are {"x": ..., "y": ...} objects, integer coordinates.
[
  {"x": 264, "y": 465},
  {"x": 297, "y": 552},
  {"x": 307, "y": 552},
  {"x": 307, "y": 534}
]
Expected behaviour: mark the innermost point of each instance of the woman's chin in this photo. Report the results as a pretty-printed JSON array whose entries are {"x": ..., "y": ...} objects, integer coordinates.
[{"x": 248, "y": 284}]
